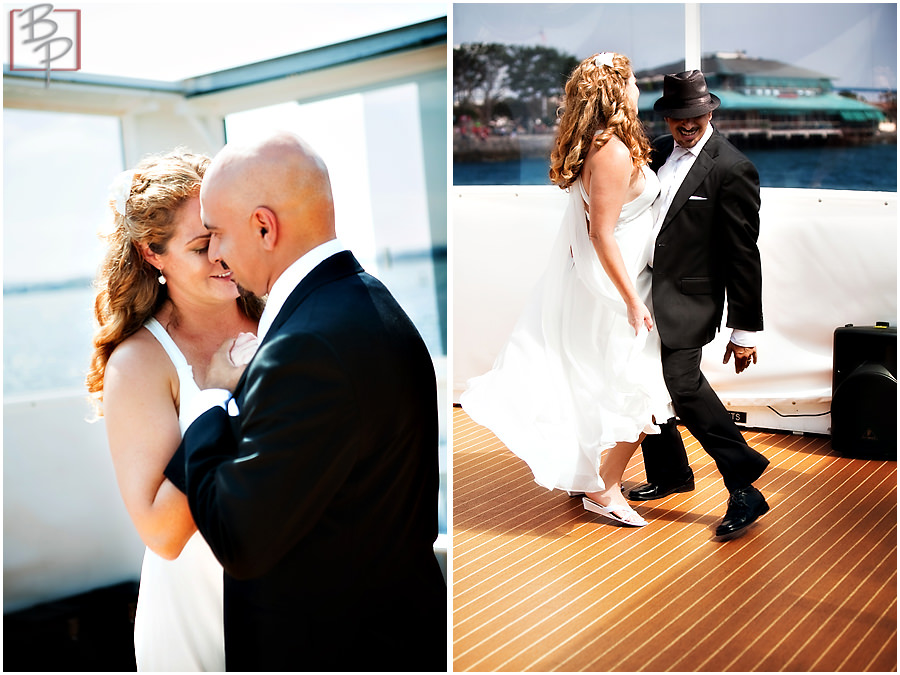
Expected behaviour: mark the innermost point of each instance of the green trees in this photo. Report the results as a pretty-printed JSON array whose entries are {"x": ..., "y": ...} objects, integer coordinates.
[{"x": 519, "y": 82}]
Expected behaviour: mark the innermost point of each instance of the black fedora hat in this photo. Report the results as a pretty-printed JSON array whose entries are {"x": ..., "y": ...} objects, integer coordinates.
[{"x": 685, "y": 95}]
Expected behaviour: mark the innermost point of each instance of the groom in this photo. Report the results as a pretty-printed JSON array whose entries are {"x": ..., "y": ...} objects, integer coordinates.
[
  {"x": 316, "y": 483},
  {"x": 707, "y": 224}
]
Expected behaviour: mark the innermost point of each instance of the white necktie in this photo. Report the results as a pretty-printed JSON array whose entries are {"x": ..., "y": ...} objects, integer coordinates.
[
  {"x": 668, "y": 174},
  {"x": 678, "y": 152},
  {"x": 669, "y": 182}
]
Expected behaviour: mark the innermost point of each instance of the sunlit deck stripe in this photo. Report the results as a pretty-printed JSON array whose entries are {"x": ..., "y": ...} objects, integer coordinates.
[
  {"x": 710, "y": 613},
  {"x": 822, "y": 621},
  {"x": 539, "y": 566},
  {"x": 889, "y": 641},
  {"x": 577, "y": 515},
  {"x": 692, "y": 590},
  {"x": 771, "y": 571},
  {"x": 698, "y": 600},
  {"x": 611, "y": 533}
]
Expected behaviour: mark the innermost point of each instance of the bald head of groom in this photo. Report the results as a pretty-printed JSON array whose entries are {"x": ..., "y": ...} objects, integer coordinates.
[{"x": 266, "y": 205}]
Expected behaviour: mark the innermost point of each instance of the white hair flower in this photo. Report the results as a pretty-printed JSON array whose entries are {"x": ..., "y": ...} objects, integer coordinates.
[
  {"x": 604, "y": 59},
  {"x": 120, "y": 190}
]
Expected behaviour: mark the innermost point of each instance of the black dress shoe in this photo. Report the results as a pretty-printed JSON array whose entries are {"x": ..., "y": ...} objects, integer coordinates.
[
  {"x": 649, "y": 491},
  {"x": 744, "y": 507}
]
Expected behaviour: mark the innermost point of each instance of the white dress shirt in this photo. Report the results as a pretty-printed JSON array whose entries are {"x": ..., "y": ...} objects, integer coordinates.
[{"x": 671, "y": 175}]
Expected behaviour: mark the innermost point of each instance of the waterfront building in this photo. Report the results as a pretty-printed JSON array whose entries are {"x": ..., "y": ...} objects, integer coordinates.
[{"x": 766, "y": 102}]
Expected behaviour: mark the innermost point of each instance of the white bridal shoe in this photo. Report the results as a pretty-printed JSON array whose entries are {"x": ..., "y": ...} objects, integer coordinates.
[{"x": 611, "y": 512}]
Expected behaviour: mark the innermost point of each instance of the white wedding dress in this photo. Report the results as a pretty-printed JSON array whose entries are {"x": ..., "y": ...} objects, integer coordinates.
[
  {"x": 179, "y": 623},
  {"x": 573, "y": 379}
]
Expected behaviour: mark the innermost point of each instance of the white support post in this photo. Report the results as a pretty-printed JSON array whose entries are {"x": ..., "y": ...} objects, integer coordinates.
[{"x": 692, "y": 54}]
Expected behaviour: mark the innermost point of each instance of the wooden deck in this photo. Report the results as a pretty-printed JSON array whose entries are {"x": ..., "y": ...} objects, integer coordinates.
[{"x": 539, "y": 584}]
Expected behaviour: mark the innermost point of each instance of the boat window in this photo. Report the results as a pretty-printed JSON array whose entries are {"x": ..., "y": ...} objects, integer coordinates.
[
  {"x": 510, "y": 63},
  {"x": 813, "y": 109},
  {"x": 827, "y": 111},
  {"x": 58, "y": 167}
]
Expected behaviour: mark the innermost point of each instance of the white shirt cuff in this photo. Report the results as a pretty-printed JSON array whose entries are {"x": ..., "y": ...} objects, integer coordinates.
[{"x": 743, "y": 338}]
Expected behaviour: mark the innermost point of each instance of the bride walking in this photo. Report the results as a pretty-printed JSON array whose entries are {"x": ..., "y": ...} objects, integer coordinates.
[
  {"x": 579, "y": 383},
  {"x": 162, "y": 310}
]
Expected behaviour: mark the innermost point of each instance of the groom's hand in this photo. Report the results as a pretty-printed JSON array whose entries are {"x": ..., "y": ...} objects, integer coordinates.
[
  {"x": 222, "y": 373},
  {"x": 742, "y": 356}
]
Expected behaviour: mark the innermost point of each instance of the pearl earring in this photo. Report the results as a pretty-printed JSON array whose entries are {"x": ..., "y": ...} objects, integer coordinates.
[{"x": 162, "y": 279}]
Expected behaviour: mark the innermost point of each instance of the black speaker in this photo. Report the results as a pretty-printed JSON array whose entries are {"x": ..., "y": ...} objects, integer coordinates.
[
  {"x": 88, "y": 632},
  {"x": 864, "y": 391}
]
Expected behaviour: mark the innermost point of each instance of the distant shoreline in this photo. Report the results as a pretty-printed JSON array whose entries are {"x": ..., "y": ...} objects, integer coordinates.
[
  {"x": 386, "y": 258},
  {"x": 38, "y": 286},
  {"x": 474, "y": 148},
  {"x": 501, "y": 148}
]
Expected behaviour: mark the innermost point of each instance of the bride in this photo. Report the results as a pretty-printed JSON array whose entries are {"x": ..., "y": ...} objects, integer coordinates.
[
  {"x": 579, "y": 382},
  {"x": 162, "y": 310}
]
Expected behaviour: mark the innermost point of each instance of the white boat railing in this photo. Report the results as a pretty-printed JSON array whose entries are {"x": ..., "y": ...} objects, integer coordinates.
[
  {"x": 829, "y": 259},
  {"x": 65, "y": 527}
]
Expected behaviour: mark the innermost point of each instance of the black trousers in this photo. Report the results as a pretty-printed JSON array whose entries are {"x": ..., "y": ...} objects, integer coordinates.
[{"x": 701, "y": 411}]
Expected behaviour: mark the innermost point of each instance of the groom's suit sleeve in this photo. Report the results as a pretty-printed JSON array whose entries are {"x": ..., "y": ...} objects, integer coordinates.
[
  {"x": 257, "y": 483},
  {"x": 739, "y": 203}
]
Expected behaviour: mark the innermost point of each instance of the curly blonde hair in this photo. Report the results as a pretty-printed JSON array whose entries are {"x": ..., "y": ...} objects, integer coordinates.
[
  {"x": 128, "y": 292},
  {"x": 595, "y": 100}
]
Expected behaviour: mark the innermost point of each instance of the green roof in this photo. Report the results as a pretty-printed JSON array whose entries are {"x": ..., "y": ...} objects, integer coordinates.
[
  {"x": 849, "y": 109},
  {"x": 737, "y": 64}
]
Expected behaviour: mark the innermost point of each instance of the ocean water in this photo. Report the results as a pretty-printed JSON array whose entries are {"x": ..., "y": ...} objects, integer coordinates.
[
  {"x": 47, "y": 338},
  {"x": 866, "y": 167}
]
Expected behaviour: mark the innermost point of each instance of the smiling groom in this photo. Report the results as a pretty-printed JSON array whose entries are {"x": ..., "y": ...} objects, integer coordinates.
[{"x": 706, "y": 228}]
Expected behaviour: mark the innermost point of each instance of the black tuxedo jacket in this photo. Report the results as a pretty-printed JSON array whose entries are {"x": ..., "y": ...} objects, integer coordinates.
[
  {"x": 320, "y": 497},
  {"x": 707, "y": 247}
]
